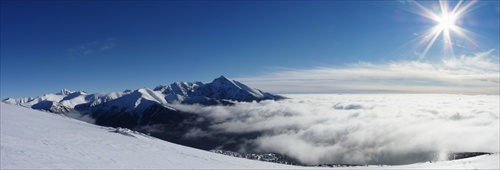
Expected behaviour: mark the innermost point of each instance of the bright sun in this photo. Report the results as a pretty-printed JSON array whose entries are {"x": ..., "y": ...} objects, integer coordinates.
[
  {"x": 446, "y": 24},
  {"x": 446, "y": 21}
]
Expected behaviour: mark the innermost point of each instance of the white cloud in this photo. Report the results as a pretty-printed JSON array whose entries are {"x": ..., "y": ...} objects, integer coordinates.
[
  {"x": 477, "y": 74},
  {"x": 361, "y": 128}
]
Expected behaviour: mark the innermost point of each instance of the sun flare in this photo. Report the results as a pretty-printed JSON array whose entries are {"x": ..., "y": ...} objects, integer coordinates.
[
  {"x": 446, "y": 21},
  {"x": 446, "y": 29}
]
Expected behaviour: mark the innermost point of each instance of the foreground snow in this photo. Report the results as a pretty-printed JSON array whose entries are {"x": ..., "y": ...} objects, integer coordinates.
[{"x": 33, "y": 139}]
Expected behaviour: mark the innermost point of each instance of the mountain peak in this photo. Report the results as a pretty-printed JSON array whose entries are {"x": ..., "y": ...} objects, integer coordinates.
[
  {"x": 65, "y": 92},
  {"x": 227, "y": 89},
  {"x": 222, "y": 78},
  {"x": 223, "y": 82}
]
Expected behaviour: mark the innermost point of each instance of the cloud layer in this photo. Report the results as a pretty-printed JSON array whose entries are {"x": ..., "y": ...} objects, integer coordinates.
[
  {"x": 478, "y": 74},
  {"x": 360, "y": 129}
]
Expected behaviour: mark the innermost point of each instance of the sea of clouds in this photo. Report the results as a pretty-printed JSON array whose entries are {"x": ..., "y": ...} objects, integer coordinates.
[{"x": 360, "y": 128}]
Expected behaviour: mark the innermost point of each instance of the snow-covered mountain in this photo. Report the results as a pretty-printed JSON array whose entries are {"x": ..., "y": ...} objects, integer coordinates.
[
  {"x": 32, "y": 139},
  {"x": 144, "y": 106},
  {"x": 220, "y": 91}
]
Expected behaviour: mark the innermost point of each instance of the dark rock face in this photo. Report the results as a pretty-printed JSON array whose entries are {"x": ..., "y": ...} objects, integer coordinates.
[
  {"x": 51, "y": 106},
  {"x": 462, "y": 155},
  {"x": 223, "y": 88},
  {"x": 267, "y": 157}
]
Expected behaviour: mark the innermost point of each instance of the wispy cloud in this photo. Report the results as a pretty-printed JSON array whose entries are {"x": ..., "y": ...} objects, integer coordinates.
[
  {"x": 92, "y": 47},
  {"x": 477, "y": 74}
]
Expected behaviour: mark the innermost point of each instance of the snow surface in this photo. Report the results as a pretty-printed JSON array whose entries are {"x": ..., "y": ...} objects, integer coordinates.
[{"x": 33, "y": 139}]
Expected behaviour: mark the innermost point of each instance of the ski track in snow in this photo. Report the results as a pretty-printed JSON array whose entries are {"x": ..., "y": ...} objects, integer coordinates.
[{"x": 33, "y": 140}]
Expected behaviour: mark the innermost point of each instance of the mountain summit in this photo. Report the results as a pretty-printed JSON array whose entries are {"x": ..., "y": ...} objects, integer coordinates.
[
  {"x": 223, "y": 88},
  {"x": 220, "y": 91}
]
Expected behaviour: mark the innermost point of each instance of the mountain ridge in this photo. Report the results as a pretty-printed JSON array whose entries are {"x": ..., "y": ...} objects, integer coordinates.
[{"x": 132, "y": 105}]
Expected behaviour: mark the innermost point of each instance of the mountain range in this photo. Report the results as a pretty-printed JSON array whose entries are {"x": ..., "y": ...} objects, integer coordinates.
[{"x": 132, "y": 108}]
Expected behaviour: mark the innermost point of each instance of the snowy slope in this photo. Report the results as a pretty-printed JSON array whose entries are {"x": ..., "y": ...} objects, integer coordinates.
[{"x": 33, "y": 139}]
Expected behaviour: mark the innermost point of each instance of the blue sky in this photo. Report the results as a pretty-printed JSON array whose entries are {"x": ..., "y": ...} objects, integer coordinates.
[{"x": 279, "y": 46}]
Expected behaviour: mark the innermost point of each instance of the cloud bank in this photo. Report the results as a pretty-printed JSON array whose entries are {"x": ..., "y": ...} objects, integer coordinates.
[
  {"x": 478, "y": 74},
  {"x": 360, "y": 128}
]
